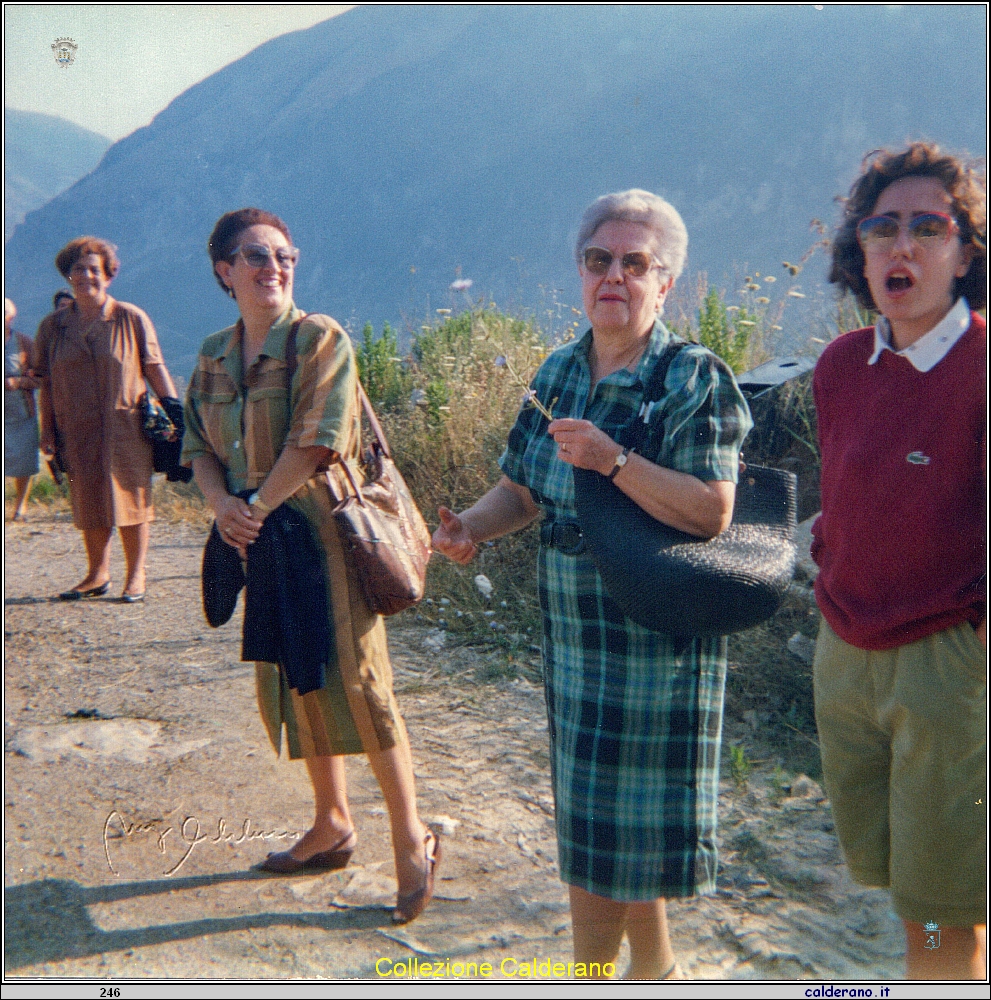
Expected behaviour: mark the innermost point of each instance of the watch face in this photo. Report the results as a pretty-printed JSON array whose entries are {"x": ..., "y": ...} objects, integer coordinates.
[{"x": 621, "y": 459}]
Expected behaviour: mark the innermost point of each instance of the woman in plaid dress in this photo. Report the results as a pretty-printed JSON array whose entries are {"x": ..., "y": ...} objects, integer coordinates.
[{"x": 634, "y": 719}]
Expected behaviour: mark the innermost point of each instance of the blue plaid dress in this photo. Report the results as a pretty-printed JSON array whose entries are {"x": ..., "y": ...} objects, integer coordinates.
[{"x": 634, "y": 727}]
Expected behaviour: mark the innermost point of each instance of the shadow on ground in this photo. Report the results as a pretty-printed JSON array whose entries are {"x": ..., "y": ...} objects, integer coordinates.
[{"x": 48, "y": 920}]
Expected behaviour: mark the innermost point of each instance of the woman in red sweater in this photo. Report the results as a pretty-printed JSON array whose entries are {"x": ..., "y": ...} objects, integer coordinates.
[{"x": 900, "y": 680}]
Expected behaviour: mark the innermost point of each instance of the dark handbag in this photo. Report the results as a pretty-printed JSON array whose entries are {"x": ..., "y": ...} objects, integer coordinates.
[
  {"x": 223, "y": 579},
  {"x": 672, "y": 582},
  {"x": 163, "y": 425},
  {"x": 56, "y": 464},
  {"x": 382, "y": 529}
]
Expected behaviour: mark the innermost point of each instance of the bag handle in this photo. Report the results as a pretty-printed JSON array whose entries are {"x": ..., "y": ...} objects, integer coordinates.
[
  {"x": 350, "y": 477},
  {"x": 380, "y": 439},
  {"x": 292, "y": 359},
  {"x": 366, "y": 405},
  {"x": 636, "y": 433},
  {"x": 291, "y": 362}
]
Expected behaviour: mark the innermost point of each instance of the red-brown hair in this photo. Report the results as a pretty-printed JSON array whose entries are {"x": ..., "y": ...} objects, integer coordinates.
[{"x": 66, "y": 258}]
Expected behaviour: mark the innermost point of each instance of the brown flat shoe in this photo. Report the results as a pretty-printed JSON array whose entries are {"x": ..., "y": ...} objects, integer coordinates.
[
  {"x": 412, "y": 904},
  {"x": 283, "y": 862}
]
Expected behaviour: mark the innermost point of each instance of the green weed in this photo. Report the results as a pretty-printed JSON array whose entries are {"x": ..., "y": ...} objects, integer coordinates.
[{"x": 739, "y": 766}]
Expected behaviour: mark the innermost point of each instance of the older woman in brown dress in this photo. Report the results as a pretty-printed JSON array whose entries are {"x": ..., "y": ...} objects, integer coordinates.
[{"x": 93, "y": 359}]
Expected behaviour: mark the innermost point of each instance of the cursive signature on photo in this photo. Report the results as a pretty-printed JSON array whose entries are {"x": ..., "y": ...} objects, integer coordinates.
[{"x": 186, "y": 835}]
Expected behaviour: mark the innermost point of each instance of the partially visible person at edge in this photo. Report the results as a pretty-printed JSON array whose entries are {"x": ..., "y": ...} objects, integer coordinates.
[
  {"x": 93, "y": 357},
  {"x": 634, "y": 718},
  {"x": 20, "y": 415},
  {"x": 900, "y": 680},
  {"x": 254, "y": 453},
  {"x": 62, "y": 299}
]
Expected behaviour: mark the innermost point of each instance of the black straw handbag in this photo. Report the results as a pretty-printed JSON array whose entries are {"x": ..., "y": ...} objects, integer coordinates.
[{"x": 672, "y": 582}]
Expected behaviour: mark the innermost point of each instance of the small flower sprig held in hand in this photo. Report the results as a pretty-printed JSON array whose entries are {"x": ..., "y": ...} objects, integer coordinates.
[{"x": 529, "y": 396}]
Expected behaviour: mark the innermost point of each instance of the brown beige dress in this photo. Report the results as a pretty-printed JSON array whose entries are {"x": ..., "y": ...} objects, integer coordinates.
[
  {"x": 94, "y": 372},
  {"x": 244, "y": 421}
]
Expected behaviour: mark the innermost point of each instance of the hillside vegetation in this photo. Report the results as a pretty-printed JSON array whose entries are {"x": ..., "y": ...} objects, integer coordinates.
[{"x": 447, "y": 406}]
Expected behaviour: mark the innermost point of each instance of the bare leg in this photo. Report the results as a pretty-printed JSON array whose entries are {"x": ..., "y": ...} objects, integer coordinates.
[
  {"x": 598, "y": 925},
  {"x": 394, "y": 770},
  {"x": 962, "y": 953},
  {"x": 332, "y": 817},
  {"x": 97, "y": 542},
  {"x": 134, "y": 538},
  {"x": 651, "y": 954},
  {"x": 22, "y": 485}
]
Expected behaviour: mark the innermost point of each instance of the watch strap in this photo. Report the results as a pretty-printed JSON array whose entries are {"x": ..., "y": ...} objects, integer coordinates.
[
  {"x": 620, "y": 462},
  {"x": 256, "y": 501}
]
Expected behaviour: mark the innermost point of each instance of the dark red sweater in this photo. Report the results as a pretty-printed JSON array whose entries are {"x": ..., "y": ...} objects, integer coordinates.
[{"x": 900, "y": 542}]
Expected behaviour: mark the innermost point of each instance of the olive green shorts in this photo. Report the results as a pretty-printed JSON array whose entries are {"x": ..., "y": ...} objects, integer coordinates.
[{"x": 904, "y": 758}]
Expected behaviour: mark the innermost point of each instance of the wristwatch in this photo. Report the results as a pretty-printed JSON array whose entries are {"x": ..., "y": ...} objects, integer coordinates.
[
  {"x": 621, "y": 459},
  {"x": 254, "y": 501}
]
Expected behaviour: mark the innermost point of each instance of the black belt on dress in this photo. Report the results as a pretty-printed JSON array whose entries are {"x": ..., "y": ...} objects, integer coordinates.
[{"x": 566, "y": 536}]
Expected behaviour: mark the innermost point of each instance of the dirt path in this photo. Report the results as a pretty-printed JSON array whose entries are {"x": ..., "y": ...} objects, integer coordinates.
[{"x": 141, "y": 787}]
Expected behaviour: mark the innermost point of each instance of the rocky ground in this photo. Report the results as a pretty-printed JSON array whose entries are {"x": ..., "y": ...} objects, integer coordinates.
[{"x": 141, "y": 788}]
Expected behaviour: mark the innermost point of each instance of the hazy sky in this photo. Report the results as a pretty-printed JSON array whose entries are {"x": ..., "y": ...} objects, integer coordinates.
[{"x": 133, "y": 59}]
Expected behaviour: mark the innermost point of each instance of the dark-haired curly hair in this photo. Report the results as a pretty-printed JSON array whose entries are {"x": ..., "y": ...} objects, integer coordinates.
[
  {"x": 964, "y": 181},
  {"x": 229, "y": 227},
  {"x": 66, "y": 258}
]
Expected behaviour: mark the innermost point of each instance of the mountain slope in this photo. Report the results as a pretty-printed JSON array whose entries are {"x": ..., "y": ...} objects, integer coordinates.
[
  {"x": 401, "y": 143},
  {"x": 44, "y": 155}
]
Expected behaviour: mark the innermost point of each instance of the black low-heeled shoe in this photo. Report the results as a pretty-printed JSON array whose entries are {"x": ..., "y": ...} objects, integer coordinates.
[{"x": 84, "y": 595}]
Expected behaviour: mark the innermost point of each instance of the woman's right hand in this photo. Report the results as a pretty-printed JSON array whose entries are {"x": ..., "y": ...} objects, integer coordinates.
[
  {"x": 47, "y": 444},
  {"x": 453, "y": 539},
  {"x": 234, "y": 522}
]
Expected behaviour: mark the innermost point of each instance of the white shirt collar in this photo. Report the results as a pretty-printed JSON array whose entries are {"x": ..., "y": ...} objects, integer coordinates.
[{"x": 931, "y": 348}]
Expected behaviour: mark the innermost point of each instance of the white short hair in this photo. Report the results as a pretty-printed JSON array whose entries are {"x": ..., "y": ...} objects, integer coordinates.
[{"x": 660, "y": 218}]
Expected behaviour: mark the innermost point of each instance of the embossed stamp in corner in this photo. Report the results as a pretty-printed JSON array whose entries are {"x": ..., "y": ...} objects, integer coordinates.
[{"x": 65, "y": 51}]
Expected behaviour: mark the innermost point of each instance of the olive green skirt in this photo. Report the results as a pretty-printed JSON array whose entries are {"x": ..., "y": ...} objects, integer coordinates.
[{"x": 356, "y": 710}]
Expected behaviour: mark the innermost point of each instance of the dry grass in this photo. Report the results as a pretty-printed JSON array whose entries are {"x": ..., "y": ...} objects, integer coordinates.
[
  {"x": 180, "y": 503},
  {"x": 449, "y": 441},
  {"x": 174, "y": 502}
]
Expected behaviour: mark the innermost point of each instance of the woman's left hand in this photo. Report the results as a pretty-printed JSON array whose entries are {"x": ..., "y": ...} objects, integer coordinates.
[
  {"x": 581, "y": 443},
  {"x": 675, "y": 498},
  {"x": 235, "y": 523}
]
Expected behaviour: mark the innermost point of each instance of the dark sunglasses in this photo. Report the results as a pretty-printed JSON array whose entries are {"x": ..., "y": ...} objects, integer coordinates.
[
  {"x": 256, "y": 255},
  {"x": 882, "y": 230},
  {"x": 635, "y": 264}
]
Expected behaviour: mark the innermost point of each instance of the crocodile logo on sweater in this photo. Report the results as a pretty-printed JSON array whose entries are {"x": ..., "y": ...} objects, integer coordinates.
[{"x": 917, "y": 458}]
